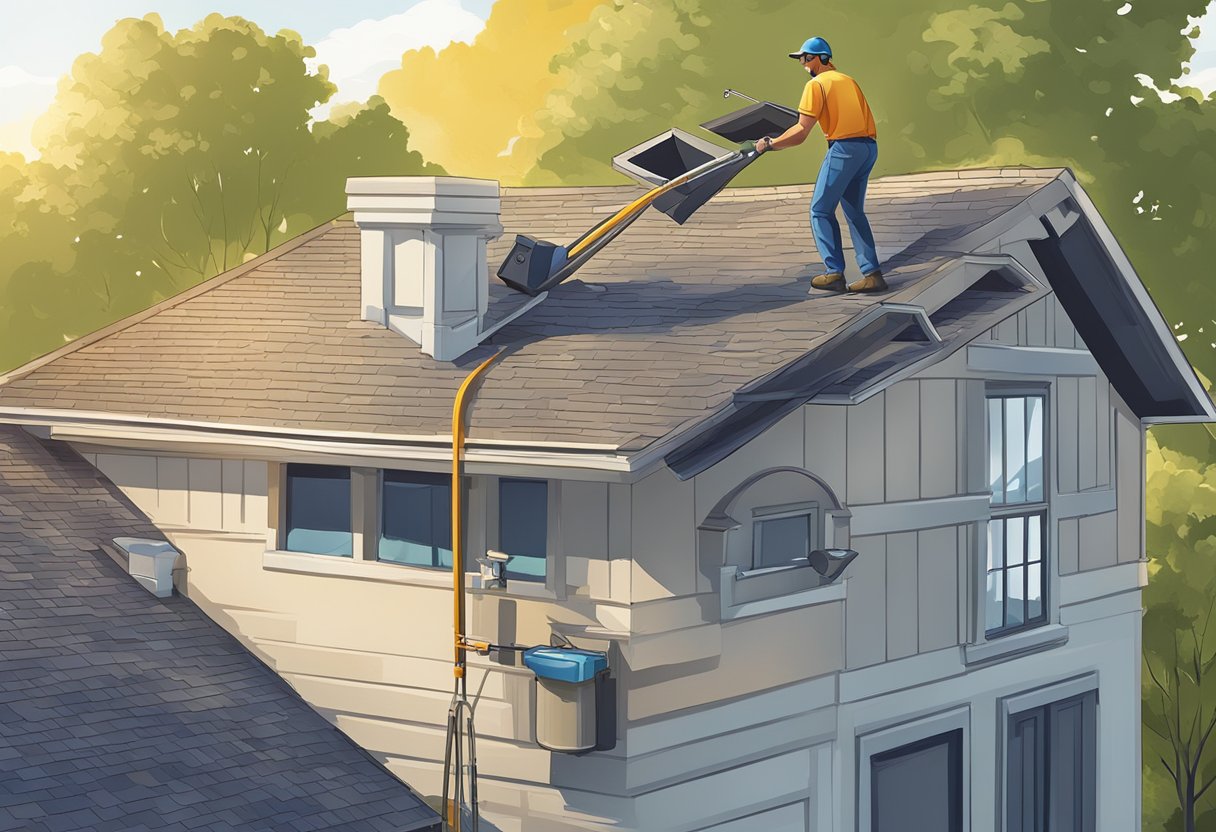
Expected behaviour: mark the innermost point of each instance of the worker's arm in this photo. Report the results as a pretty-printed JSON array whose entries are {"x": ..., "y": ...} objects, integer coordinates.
[{"x": 793, "y": 137}]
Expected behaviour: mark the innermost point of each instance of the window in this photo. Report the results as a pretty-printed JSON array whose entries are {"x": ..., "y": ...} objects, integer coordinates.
[
  {"x": 318, "y": 510},
  {"x": 1051, "y": 767},
  {"x": 523, "y": 527},
  {"x": 415, "y": 519},
  {"x": 918, "y": 786},
  {"x": 782, "y": 535},
  {"x": 1017, "y": 548}
]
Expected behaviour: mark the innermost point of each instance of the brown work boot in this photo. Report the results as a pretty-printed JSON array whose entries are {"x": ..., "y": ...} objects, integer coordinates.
[
  {"x": 871, "y": 282},
  {"x": 831, "y": 280}
]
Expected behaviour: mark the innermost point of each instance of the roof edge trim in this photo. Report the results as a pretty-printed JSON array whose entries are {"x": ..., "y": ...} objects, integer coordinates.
[
  {"x": 1147, "y": 305},
  {"x": 117, "y": 423}
]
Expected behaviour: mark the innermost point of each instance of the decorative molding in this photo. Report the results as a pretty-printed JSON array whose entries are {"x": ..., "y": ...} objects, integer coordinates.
[
  {"x": 1031, "y": 361},
  {"x": 1081, "y": 587},
  {"x": 884, "y": 518},
  {"x": 732, "y": 609},
  {"x": 1083, "y": 503},
  {"x": 1015, "y": 645}
]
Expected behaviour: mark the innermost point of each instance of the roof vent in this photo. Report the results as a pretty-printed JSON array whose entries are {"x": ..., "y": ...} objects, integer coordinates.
[
  {"x": 423, "y": 263},
  {"x": 150, "y": 563}
]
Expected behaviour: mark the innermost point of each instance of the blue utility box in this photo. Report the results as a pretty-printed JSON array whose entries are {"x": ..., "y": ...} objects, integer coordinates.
[{"x": 569, "y": 686}]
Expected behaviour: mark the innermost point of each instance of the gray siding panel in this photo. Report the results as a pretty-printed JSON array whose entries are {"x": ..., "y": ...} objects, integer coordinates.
[
  {"x": 866, "y": 607},
  {"x": 1087, "y": 433},
  {"x": 938, "y": 595},
  {"x": 1066, "y": 434},
  {"x": 972, "y": 429},
  {"x": 902, "y": 593},
  {"x": 1129, "y": 483},
  {"x": 1098, "y": 545},
  {"x": 1103, "y": 413},
  {"x": 903, "y": 435},
  {"x": 1036, "y": 324},
  {"x": 1068, "y": 543},
  {"x": 173, "y": 481},
  {"x": 866, "y": 448},
  {"x": 826, "y": 430},
  {"x": 1065, "y": 334},
  {"x": 938, "y": 439},
  {"x": 584, "y": 521}
]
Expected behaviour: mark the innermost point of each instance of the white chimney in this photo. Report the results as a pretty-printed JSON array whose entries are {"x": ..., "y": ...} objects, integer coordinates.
[{"x": 423, "y": 241}]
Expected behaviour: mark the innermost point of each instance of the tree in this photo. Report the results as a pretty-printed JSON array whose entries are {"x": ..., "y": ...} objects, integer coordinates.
[
  {"x": 1179, "y": 705},
  {"x": 168, "y": 158},
  {"x": 471, "y": 105}
]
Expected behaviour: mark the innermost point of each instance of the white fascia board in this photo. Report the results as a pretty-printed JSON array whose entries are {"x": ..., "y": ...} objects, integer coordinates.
[
  {"x": 485, "y": 456},
  {"x": 1160, "y": 328},
  {"x": 1032, "y": 361}
]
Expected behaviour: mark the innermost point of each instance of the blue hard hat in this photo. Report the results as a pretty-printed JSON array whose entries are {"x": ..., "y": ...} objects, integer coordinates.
[{"x": 814, "y": 46}]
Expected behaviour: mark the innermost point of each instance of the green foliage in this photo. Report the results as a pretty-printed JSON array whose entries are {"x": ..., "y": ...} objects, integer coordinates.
[
  {"x": 168, "y": 158},
  {"x": 1179, "y": 704}
]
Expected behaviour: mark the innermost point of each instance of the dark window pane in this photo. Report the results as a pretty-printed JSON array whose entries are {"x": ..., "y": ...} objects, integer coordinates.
[
  {"x": 1034, "y": 449},
  {"x": 1015, "y": 450},
  {"x": 919, "y": 787},
  {"x": 778, "y": 542},
  {"x": 994, "y": 604},
  {"x": 1034, "y": 592},
  {"x": 415, "y": 519},
  {"x": 996, "y": 544},
  {"x": 996, "y": 450},
  {"x": 1015, "y": 592},
  {"x": 523, "y": 526},
  {"x": 318, "y": 510},
  {"x": 1015, "y": 529}
]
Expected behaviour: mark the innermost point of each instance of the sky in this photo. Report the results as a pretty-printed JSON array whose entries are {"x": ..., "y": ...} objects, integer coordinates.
[{"x": 358, "y": 39}]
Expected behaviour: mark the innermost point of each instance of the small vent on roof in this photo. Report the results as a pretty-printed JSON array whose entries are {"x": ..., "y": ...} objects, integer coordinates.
[
  {"x": 150, "y": 563},
  {"x": 996, "y": 280}
]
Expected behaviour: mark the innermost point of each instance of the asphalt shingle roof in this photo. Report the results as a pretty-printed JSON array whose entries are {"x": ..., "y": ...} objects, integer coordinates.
[
  {"x": 655, "y": 333},
  {"x": 121, "y": 711}
]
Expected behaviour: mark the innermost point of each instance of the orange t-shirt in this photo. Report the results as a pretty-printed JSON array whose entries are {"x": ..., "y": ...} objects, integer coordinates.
[{"x": 837, "y": 103}]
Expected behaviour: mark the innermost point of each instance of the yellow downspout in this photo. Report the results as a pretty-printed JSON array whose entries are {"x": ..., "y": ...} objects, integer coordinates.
[{"x": 458, "y": 414}]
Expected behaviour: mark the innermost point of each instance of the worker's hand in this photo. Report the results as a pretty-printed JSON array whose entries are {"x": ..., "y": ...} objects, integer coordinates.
[{"x": 761, "y": 146}]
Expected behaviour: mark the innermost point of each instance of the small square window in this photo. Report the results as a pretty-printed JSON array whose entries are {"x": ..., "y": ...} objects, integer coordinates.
[
  {"x": 523, "y": 527},
  {"x": 781, "y": 540},
  {"x": 318, "y": 510},
  {"x": 415, "y": 519}
]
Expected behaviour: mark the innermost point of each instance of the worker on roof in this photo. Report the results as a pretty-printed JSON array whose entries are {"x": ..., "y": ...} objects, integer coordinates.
[{"x": 836, "y": 102}]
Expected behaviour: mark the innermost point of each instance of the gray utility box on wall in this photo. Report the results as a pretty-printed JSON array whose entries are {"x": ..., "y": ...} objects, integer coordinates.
[{"x": 569, "y": 685}]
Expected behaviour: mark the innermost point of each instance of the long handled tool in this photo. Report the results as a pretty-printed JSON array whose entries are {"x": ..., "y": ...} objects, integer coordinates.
[{"x": 535, "y": 266}]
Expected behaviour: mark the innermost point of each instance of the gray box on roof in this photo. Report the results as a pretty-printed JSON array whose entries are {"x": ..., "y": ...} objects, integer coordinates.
[{"x": 674, "y": 153}]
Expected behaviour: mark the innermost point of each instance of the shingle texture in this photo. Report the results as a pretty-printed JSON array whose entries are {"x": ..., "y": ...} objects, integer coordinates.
[
  {"x": 655, "y": 333},
  {"x": 120, "y": 711}
]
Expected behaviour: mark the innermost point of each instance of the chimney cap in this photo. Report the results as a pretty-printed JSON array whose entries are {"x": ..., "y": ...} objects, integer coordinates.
[{"x": 420, "y": 186}]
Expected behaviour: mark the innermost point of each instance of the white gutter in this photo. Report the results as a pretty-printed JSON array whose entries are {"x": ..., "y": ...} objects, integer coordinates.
[{"x": 484, "y": 456}]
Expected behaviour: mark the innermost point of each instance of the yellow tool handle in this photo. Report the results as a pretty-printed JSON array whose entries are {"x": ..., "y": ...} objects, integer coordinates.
[{"x": 641, "y": 203}]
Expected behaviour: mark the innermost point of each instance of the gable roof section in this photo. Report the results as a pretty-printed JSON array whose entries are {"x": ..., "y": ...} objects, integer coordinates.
[
  {"x": 120, "y": 711},
  {"x": 651, "y": 343}
]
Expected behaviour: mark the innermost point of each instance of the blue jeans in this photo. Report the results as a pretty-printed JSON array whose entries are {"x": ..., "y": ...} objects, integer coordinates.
[{"x": 842, "y": 181}]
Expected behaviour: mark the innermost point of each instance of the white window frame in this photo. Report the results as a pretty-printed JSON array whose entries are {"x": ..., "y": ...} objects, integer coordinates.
[{"x": 906, "y": 733}]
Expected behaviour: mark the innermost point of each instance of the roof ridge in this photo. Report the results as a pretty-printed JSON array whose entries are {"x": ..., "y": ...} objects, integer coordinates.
[{"x": 168, "y": 303}]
